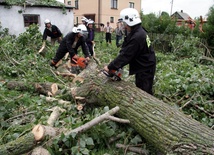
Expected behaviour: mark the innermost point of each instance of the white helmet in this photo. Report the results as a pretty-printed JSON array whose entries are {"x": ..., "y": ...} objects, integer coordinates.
[
  {"x": 90, "y": 22},
  {"x": 130, "y": 16},
  {"x": 47, "y": 21},
  {"x": 81, "y": 29}
]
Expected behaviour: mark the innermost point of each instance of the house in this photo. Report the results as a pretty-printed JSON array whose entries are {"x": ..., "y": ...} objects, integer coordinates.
[
  {"x": 101, "y": 11},
  {"x": 17, "y": 17},
  {"x": 183, "y": 18}
]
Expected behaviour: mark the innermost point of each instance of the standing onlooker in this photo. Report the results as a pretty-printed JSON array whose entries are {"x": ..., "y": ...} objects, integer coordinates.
[
  {"x": 108, "y": 30},
  {"x": 101, "y": 38},
  {"x": 119, "y": 34},
  {"x": 52, "y": 31},
  {"x": 90, "y": 40},
  {"x": 136, "y": 51}
]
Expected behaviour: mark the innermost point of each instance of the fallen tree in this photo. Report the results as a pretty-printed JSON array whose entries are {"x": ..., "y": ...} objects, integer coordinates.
[{"x": 162, "y": 125}]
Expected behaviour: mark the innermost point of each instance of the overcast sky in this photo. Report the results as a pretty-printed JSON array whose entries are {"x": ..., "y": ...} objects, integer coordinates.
[{"x": 194, "y": 8}]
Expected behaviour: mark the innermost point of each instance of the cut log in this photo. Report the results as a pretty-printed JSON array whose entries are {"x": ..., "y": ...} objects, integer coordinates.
[
  {"x": 49, "y": 89},
  {"x": 56, "y": 111},
  {"x": 51, "y": 99},
  {"x": 40, "y": 151},
  {"x": 40, "y": 131},
  {"x": 19, "y": 146},
  {"x": 162, "y": 125}
]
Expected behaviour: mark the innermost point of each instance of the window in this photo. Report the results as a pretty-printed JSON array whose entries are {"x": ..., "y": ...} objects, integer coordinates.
[
  {"x": 77, "y": 20},
  {"x": 111, "y": 19},
  {"x": 69, "y": 2},
  {"x": 30, "y": 19},
  {"x": 131, "y": 4},
  {"x": 114, "y": 4},
  {"x": 76, "y": 4}
]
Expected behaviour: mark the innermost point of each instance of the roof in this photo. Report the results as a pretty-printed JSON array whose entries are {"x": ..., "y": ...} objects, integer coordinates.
[
  {"x": 181, "y": 15},
  {"x": 36, "y": 3}
]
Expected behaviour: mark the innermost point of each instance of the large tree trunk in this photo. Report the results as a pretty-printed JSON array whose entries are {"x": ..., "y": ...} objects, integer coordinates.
[{"x": 163, "y": 126}]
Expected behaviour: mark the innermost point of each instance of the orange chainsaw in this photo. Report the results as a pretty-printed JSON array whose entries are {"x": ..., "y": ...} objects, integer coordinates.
[
  {"x": 80, "y": 61},
  {"x": 114, "y": 75},
  {"x": 78, "y": 64}
]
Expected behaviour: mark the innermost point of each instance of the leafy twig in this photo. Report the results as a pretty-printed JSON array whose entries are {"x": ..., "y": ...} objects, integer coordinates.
[
  {"x": 187, "y": 103},
  {"x": 21, "y": 115}
]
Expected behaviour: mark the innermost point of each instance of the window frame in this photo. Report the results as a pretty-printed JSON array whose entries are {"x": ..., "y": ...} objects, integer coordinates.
[
  {"x": 30, "y": 19},
  {"x": 114, "y": 4},
  {"x": 76, "y": 4},
  {"x": 131, "y": 4},
  {"x": 111, "y": 19}
]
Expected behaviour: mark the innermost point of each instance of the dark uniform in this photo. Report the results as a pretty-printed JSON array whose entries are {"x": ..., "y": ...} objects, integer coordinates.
[
  {"x": 138, "y": 53},
  {"x": 66, "y": 46},
  {"x": 89, "y": 40},
  {"x": 55, "y": 33}
]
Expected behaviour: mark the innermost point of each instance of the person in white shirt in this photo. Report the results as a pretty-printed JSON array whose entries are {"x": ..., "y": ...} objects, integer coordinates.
[{"x": 108, "y": 30}]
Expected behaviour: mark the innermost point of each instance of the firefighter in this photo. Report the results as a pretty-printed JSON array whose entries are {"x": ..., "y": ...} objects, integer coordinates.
[
  {"x": 70, "y": 43},
  {"x": 136, "y": 51},
  {"x": 90, "y": 40},
  {"x": 51, "y": 31}
]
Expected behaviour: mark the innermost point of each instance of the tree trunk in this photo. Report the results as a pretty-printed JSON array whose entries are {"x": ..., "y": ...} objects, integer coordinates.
[
  {"x": 49, "y": 89},
  {"x": 163, "y": 126},
  {"x": 40, "y": 133},
  {"x": 19, "y": 146}
]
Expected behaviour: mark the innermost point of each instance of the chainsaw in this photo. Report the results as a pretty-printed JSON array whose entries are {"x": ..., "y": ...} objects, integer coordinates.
[
  {"x": 114, "y": 75},
  {"x": 78, "y": 64}
]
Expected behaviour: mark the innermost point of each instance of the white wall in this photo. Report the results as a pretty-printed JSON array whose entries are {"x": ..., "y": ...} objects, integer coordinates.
[{"x": 12, "y": 19}]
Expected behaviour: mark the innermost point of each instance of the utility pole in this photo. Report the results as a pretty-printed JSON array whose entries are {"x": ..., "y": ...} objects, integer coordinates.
[{"x": 171, "y": 7}]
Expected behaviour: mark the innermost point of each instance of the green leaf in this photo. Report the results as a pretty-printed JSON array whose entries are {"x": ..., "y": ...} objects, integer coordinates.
[
  {"x": 82, "y": 143},
  {"x": 109, "y": 132},
  {"x": 137, "y": 139},
  {"x": 89, "y": 141},
  {"x": 85, "y": 151}
]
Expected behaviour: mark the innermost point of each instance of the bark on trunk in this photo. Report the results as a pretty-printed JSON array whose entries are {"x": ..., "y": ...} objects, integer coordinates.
[
  {"x": 163, "y": 126},
  {"x": 19, "y": 146},
  {"x": 40, "y": 133},
  {"x": 49, "y": 89}
]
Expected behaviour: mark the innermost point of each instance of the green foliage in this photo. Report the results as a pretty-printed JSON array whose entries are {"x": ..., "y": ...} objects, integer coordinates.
[
  {"x": 183, "y": 47},
  {"x": 180, "y": 78},
  {"x": 21, "y": 62},
  {"x": 209, "y": 28},
  {"x": 180, "y": 81}
]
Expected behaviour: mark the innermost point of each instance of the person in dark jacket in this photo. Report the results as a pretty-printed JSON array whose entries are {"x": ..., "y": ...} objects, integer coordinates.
[
  {"x": 136, "y": 51},
  {"x": 52, "y": 31},
  {"x": 70, "y": 43},
  {"x": 90, "y": 40}
]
